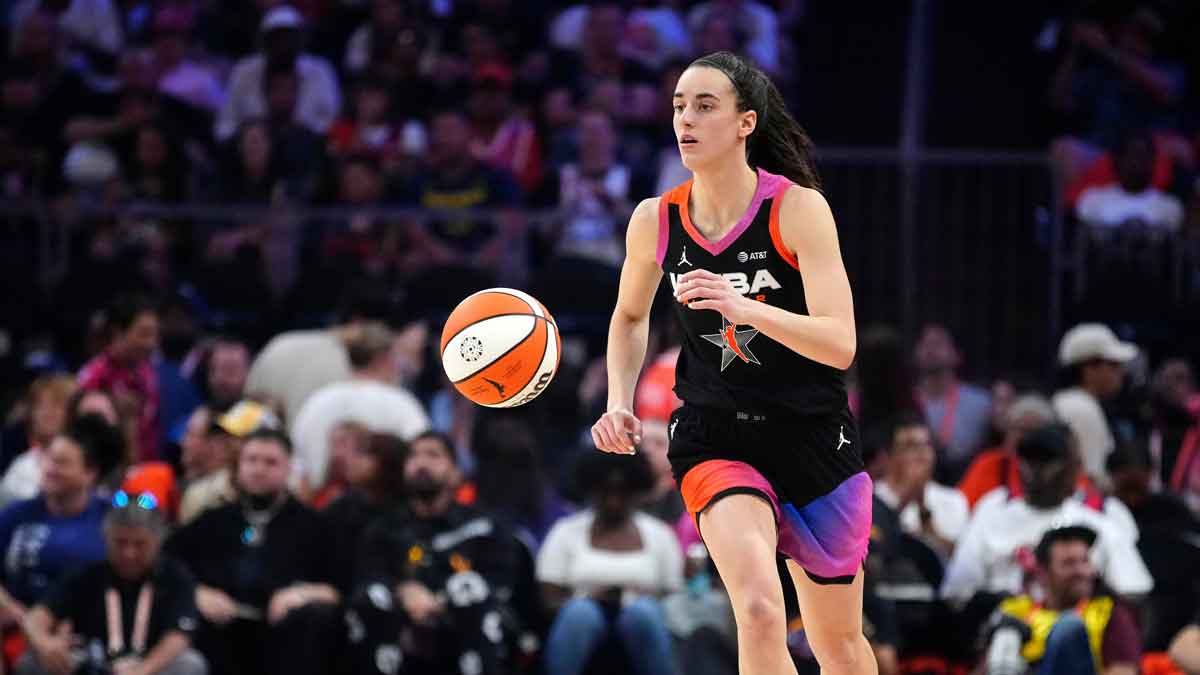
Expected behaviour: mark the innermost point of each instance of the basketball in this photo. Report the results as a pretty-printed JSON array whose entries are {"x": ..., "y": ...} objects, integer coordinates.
[{"x": 500, "y": 348}]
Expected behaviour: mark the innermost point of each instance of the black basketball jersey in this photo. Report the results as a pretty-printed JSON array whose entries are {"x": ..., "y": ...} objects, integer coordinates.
[{"x": 736, "y": 367}]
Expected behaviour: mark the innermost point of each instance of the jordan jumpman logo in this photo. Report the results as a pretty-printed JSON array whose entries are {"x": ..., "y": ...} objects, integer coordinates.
[
  {"x": 842, "y": 440},
  {"x": 683, "y": 259}
]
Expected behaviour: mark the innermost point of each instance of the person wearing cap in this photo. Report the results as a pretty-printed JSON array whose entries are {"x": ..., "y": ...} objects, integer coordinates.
[
  {"x": 1094, "y": 361},
  {"x": 319, "y": 98},
  {"x": 1002, "y": 471},
  {"x": 1069, "y": 628},
  {"x": 208, "y": 459},
  {"x": 132, "y": 613},
  {"x": 993, "y": 554},
  {"x": 999, "y": 467}
]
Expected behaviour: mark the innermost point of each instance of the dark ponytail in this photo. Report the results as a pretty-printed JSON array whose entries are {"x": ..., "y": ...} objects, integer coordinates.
[{"x": 778, "y": 143}]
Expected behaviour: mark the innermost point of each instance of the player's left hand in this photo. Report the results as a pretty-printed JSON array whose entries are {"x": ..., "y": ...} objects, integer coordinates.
[{"x": 701, "y": 289}]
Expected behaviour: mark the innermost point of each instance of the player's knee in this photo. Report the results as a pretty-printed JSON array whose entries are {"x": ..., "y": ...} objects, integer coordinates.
[
  {"x": 760, "y": 614},
  {"x": 836, "y": 650}
]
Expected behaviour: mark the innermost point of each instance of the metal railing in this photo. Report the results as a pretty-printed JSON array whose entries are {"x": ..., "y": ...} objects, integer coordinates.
[{"x": 982, "y": 249}]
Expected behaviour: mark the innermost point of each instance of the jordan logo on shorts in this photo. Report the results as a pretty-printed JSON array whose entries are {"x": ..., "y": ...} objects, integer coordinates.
[
  {"x": 671, "y": 431},
  {"x": 733, "y": 343},
  {"x": 683, "y": 259},
  {"x": 842, "y": 440}
]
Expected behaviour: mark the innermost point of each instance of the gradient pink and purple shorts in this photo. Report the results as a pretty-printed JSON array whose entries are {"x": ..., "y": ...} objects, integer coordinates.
[{"x": 828, "y": 536}]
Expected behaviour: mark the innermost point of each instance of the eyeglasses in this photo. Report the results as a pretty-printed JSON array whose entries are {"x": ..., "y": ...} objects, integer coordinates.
[{"x": 145, "y": 500}]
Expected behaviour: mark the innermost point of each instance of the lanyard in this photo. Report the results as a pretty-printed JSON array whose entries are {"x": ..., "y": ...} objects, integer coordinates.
[
  {"x": 945, "y": 430},
  {"x": 141, "y": 620}
]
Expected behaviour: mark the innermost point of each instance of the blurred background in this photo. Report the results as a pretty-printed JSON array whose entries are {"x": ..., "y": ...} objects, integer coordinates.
[{"x": 221, "y": 217}]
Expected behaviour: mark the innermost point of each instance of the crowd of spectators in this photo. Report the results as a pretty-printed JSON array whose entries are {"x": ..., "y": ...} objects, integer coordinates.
[{"x": 228, "y": 447}]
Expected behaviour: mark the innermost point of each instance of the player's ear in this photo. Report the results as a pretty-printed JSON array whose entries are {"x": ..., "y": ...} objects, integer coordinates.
[{"x": 747, "y": 122}]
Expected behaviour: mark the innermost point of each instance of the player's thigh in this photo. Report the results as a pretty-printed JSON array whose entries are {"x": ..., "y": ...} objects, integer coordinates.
[{"x": 740, "y": 533}]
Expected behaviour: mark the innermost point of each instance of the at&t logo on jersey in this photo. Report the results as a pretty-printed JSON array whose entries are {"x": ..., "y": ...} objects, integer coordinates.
[{"x": 742, "y": 282}]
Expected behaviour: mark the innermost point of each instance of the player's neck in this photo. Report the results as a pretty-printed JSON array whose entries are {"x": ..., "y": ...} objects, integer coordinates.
[{"x": 720, "y": 196}]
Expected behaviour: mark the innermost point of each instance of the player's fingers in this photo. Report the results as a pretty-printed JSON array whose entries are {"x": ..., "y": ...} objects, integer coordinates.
[
  {"x": 634, "y": 427},
  {"x": 704, "y": 304},
  {"x": 699, "y": 274},
  {"x": 598, "y": 439},
  {"x": 607, "y": 437},
  {"x": 699, "y": 283}
]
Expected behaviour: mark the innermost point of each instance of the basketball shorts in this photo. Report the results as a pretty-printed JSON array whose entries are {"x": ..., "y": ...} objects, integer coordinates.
[{"x": 808, "y": 468}]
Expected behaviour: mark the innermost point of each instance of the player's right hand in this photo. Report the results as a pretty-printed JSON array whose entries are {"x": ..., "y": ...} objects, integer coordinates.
[{"x": 617, "y": 431}]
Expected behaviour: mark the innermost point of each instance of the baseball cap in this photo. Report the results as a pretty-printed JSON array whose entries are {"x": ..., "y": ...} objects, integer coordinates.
[
  {"x": 282, "y": 17},
  {"x": 1045, "y": 444},
  {"x": 245, "y": 418},
  {"x": 1063, "y": 531},
  {"x": 1089, "y": 341}
]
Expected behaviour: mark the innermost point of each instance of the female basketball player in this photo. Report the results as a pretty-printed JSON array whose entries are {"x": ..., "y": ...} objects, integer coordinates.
[{"x": 764, "y": 448}]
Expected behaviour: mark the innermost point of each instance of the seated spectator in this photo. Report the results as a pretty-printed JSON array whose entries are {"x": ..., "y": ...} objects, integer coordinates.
[
  {"x": 959, "y": 412},
  {"x": 156, "y": 171},
  {"x": 104, "y": 405},
  {"x": 1094, "y": 361},
  {"x": 594, "y": 194},
  {"x": 296, "y": 363},
  {"x": 930, "y": 511},
  {"x": 48, "y": 536},
  {"x": 374, "y": 487},
  {"x": 510, "y": 479},
  {"x": 1111, "y": 83},
  {"x": 299, "y": 149},
  {"x": 1175, "y": 406},
  {"x": 503, "y": 137},
  {"x": 209, "y": 461},
  {"x": 999, "y": 467},
  {"x": 178, "y": 74},
  {"x": 370, "y": 397},
  {"x": 25, "y": 443},
  {"x": 455, "y": 181},
  {"x": 254, "y": 171},
  {"x": 374, "y": 130},
  {"x": 603, "y": 570},
  {"x": 124, "y": 370},
  {"x": 1070, "y": 627},
  {"x": 755, "y": 19},
  {"x": 992, "y": 555},
  {"x": 133, "y": 612},
  {"x": 442, "y": 587},
  {"x": 1168, "y": 533},
  {"x": 317, "y": 98},
  {"x": 388, "y": 19},
  {"x": 1133, "y": 202},
  {"x": 226, "y": 368},
  {"x": 346, "y": 440},
  {"x": 265, "y": 575}
]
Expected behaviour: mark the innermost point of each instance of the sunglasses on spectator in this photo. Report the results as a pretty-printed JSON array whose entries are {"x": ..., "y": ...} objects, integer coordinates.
[{"x": 144, "y": 500}]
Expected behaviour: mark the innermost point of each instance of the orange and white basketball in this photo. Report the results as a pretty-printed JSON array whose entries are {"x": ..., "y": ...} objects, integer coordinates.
[{"x": 500, "y": 347}]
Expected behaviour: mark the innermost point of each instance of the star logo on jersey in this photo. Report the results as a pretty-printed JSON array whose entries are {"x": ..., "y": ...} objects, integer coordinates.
[{"x": 734, "y": 343}]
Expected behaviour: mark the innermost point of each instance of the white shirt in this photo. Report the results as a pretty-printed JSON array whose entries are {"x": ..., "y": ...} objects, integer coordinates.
[
  {"x": 1112, "y": 507},
  {"x": 986, "y": 557},
  {"x": 567, "y": 557},
  {"x": 947, "y": 505},
  {"x": 380, "y": 407},
  {"x": 1111, "y": 206},
  {"x": 1082, "y": 412},
  {"x": 317, "y": 102},
  {"x": 23, "y": 480},
  {"x": 295, "y": 364}
]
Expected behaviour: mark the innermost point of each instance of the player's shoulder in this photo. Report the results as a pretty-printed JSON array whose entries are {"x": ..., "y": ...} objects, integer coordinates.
[
  {"x": 643, "y": 225},
  {"x": 800, "y": 199}
]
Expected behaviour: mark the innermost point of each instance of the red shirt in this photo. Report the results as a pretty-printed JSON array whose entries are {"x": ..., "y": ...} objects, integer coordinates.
[{"x": 138, "y": 382}]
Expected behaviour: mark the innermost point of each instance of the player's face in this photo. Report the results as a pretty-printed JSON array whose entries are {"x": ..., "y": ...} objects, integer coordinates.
[{"x": 707, "y": 122}]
